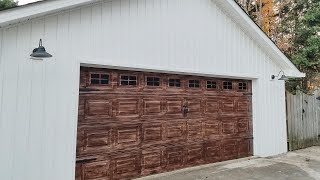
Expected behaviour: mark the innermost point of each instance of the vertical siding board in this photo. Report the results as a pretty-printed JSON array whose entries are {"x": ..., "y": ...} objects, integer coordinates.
[
  {"x": 50, "y": 110},
  {"x": 107, "y": 35},
  {"x": 23, "y": 100},
  {"x": 74, "y": 67},
  {"x": 96, "y": 40},
  {"x": 36, "y": 139},
  {"x": 8, "y": 107},
  {"x": 64, "y": 77},
  {"x": 1, "y": 66}
]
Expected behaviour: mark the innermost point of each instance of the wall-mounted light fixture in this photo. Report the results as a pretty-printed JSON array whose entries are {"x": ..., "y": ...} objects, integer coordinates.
[
  {"x": 40, "y": 52},
  {"x": 282, "y": 78}
]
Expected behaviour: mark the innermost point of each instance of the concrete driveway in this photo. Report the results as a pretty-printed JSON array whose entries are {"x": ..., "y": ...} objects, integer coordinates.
[{"x": 303, "y": 164}]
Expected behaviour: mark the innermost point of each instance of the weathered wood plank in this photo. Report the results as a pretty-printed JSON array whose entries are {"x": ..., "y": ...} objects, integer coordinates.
[{"x": 303, "y": 116}]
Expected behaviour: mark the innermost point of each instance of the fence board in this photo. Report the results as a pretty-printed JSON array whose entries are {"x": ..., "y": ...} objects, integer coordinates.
[{"x": 303, "y": 120}]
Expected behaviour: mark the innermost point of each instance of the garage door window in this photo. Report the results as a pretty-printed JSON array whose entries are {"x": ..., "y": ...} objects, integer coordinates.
[
  {"x": 211, "y": 85},
  {"x": 153, "y": 81},
  {"x": 242, "y": 86},
  {"x": 227, "y": 85},
  {"x": 174, "y": 83},
  {"x": 194, "y": 84},
  {"x": 127, "y": 80},
  {"x": 99, "y": 79}
]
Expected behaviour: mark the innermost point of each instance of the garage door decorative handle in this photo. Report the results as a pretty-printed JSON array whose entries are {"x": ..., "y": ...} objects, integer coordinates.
[
  {"x": 85, "y": 160},
  {"x": 185, "y": 109}
]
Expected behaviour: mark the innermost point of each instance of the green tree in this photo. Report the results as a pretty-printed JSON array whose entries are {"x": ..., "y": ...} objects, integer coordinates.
[
  {"x": 300, "y": 29},
  {"x": 5, "y": 4}
]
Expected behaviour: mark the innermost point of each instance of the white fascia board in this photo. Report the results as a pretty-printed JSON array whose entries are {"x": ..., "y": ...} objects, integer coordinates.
[
  {"x": 294, "y": 74},
  {"x": 23, "y": 13},
  {"x": 244, "y": 21}
]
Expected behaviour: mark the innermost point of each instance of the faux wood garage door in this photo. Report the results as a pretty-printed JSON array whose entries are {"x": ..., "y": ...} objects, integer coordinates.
[{"x": 134, "y": 124}]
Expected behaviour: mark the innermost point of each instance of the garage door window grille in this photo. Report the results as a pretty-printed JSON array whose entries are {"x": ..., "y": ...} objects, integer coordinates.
[
  {"x": 99, "y": 79},
  {"x": 227, "y": 85},
  {"x": 242, "y": 86},
  {"x": 174, "y": 83},
  {"x": 194, "y": 83},
  {"x": 211, "y": 85},
  {"x": 127, "y": 80},
  {"x": 153, "y": 81}
]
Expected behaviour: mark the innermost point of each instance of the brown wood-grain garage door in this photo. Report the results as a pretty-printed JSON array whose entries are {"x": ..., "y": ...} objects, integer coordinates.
[{"x": 134, "y": 124}]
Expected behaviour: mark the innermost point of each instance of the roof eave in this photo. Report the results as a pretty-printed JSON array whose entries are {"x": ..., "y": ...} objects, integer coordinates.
[{"x": 19, "y": 14}]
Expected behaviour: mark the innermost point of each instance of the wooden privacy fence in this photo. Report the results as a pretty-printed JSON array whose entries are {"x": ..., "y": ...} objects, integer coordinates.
[{"x": 303, "y": 120}]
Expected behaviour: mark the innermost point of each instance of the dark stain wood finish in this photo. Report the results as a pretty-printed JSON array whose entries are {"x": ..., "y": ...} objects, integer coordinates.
[{"x": 126, "y": 132}]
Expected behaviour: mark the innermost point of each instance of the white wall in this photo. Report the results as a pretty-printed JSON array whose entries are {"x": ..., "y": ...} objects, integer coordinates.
[{"x": 38, "y": 99}]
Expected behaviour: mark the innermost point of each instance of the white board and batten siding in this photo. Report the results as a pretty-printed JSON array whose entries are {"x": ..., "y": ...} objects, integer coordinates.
[{"x": 39, "y": 99}]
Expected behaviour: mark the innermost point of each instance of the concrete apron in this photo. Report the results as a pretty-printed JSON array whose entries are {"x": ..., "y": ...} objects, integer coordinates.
[{"x": 302, "y": 164}]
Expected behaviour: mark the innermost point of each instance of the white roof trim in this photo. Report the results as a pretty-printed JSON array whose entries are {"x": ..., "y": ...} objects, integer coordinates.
[
  {"x": 37, "y": 9},
  {"x": 19, "y": 14}
]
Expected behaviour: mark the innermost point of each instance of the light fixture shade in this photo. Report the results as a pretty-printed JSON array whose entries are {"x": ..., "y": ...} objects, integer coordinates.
[
  {"x": 284, "y": 78},
  {"x": 40, "y": 52}
]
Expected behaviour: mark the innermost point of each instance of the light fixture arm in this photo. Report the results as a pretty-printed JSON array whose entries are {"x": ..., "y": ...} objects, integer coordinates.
[{"x": 273, "y": 76}]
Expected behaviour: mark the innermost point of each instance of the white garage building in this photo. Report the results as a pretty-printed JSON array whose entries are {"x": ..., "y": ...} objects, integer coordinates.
[{"x": 155, "y": 74}]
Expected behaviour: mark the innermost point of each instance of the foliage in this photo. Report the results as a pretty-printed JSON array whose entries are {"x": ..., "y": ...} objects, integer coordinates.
[
  {"x": 268, "y": 17},
  {"x": 263, "y": 12},
  {"x": 5, "y": 4},
  {"x": 300, "y": 28},
  {"x": 294, "y": 25}
]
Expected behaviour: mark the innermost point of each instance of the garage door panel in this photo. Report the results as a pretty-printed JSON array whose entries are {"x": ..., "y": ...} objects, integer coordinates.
[
  {"x": 152, "y": 107},
  {"x": 194, "y": 129},
  {"x": 127, "y": 135},
  {"x": 99, "y": 107},
  {"x": 152, "y": 133},
  {"x": 126, "y": 166},
  {"x": 212, "y": 106},
  {"x": 97, "y": 170},
  {"x": 176, "y": 130},
  {"x": 213, "y": 151},
  {"x": 81, "y": 108},
  {"x": 97, "y": 140},
  {"x": 174, "y": 107},
  {"x": 212, "y": 129},
  {"x": 243, "y": 106},
  {"x": 229, "y": 128},
  {"x": 127, "y": 107},
  {"x": 79, "y": 172},
  {"x": 80, "y": 141},
  {"x": 243, "y": 127},
  {"x": 230, "y": 149},
  {"x": 174, "y": 157},
  {"x": 152, "y": 160},
  {"x": 244, "y": 148},
  {"x": 195, "y": 154},
  {"x": 227, "y": 106},
  {"x": 154, "y": 126},
  {"x": 195, "y": 107}
]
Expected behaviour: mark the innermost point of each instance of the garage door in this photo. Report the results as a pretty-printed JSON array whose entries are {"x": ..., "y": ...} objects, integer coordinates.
[{"x": 133, "y": 124}]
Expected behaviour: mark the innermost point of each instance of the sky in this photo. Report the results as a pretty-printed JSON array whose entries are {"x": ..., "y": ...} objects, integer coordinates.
[{"x": 22, "y": 2}]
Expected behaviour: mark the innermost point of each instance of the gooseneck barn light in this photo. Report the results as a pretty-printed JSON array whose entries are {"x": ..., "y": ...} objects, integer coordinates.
[
  {"x": 282, "y": 78},
  {"x": 40, "y": 52}
]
